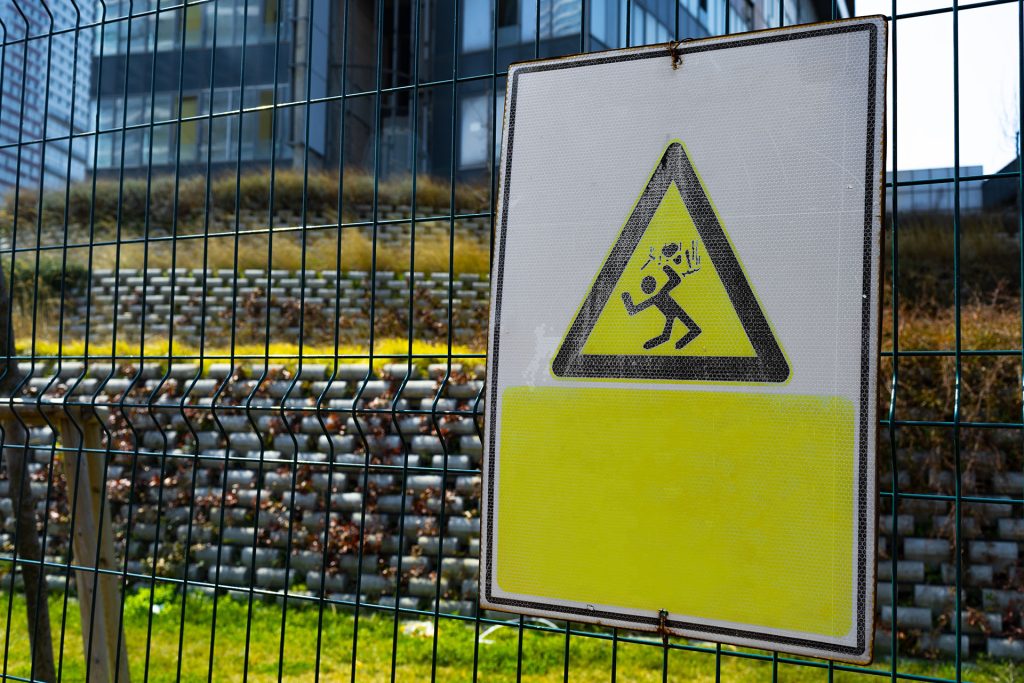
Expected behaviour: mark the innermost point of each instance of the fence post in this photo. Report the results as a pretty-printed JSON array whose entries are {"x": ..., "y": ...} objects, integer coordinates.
[{"x": 97, "y": 593}]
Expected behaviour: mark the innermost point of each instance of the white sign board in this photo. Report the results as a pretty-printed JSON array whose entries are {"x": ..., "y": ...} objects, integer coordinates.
[{"x": 681, "y": 407}]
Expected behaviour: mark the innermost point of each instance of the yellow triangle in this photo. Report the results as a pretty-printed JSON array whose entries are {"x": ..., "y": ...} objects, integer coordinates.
[
  {"x": 670, "y": 242},
  {"x": 671, "y": 301}
]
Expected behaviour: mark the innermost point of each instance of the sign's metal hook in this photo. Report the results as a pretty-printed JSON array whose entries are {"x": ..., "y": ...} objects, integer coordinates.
[
  {"x": 673, "y": 52},
  {"x": 663, "y": 626}
]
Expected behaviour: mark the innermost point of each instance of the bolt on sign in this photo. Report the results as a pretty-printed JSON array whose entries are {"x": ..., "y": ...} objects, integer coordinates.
[{"x": 680, "y": 431}]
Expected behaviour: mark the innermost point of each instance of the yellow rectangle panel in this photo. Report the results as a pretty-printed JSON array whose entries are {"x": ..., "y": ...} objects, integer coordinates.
[{"x": 730, "y": 506}]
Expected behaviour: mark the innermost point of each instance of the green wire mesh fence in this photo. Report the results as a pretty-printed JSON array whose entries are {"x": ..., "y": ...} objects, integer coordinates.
[{"x": 245, "y": 250}]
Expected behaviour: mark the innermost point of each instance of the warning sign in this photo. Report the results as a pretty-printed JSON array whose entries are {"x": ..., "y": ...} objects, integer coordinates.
[
  {"x": 658, "y": 257},
  {"x": 681, "y": 401}
]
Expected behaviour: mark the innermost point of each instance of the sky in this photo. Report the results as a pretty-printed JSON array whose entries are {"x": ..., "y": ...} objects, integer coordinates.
[{"x": 989, "y": 84}]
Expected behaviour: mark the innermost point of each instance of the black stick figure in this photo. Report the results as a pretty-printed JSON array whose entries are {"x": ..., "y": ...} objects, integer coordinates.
[{"x": 664, "y": 302}]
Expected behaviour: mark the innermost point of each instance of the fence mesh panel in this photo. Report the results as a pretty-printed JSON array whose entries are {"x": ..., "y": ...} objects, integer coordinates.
[{"x": 245, "y": 251}]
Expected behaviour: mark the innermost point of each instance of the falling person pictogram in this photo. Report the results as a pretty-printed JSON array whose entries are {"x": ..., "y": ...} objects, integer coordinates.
[
  {"x": 662, "y": 300},
  {"x": 672, "y": 219}
]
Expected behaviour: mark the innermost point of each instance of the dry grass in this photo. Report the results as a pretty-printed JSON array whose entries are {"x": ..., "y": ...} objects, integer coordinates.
[
  {"x": 164, "y": 203},
  {"x": 989, "y": 263},
  {"x": 285, "y": 251}
]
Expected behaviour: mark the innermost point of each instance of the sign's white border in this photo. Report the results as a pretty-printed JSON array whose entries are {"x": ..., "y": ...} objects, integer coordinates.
[{"x": 857, "y": 648}]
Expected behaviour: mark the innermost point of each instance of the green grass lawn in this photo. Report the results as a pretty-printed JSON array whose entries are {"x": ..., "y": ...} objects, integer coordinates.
[{"x": 161, "y": 653}]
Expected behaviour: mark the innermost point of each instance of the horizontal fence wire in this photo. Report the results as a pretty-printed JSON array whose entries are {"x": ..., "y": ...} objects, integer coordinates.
[{"x": 245, "y": 255}]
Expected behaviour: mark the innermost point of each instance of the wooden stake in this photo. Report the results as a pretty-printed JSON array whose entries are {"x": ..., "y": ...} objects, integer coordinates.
[{"x": 98, "y": 594}]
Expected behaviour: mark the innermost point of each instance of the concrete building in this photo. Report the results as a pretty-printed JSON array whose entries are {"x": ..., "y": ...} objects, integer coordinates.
[
  {"x": 936, "y": 196},
  {"x": 1000, "y": 195}
]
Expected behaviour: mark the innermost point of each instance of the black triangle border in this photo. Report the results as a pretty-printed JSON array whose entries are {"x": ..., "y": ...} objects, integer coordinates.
[{"x": 768, "y": 365}]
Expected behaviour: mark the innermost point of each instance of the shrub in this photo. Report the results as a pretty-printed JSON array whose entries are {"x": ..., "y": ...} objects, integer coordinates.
[{"x": 989, "y": 259}]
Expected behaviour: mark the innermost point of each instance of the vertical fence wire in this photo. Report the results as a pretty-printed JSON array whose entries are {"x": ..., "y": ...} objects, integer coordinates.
[
  {"x": 894, "y": 465},
  {"x": 958, "y": 547}
]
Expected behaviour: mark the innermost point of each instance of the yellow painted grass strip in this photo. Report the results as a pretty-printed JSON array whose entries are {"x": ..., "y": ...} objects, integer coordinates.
[{"x": 158, "y": 351}]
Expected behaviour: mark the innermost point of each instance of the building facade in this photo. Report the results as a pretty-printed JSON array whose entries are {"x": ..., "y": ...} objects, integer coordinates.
[
  {"x": 44, "y": 95},
  {"x": 472, "y": 39},
  {"x": 225, "y": 83},
  {"x": 932, "y": 190},
  {"x": 212, "y": 84}
]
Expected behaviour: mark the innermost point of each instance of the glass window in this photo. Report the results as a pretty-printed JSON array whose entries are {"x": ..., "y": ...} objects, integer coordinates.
[
  {"x": 112, "y": 38},
  {"x": 499, "y": 113},
  {"x": 270, "y": 12},
  {"x": 790, "y": 9},
  {"x": 162, "y": 144},
  {"x": 194, "y": 25},
  {"x": 163, "y": 105},
  {"x": 105, "y": 153},
  {"x": 528, "y": 20},
  {"x": 599, "y": 22},
  {"x": 266, "y": 127},
  {"x": 142, "y": 34},
  {"x": 136, "y": 110},
  {"x": 476, "y": 25},
  {"x": 167, "y": 30},
  {"x": 508, "y": 13},
  {"x": 636, "y": 26},
  {"x": 716, "y": 17},
  {"x": 247, "y": 134},
  {"x": 222, "y": 99},
  {"x": 189, "y": 129},
  {"x": 563, "y": 18},
  {"x": 473, "y": 136},
  {"x": 737, "y": 22},
  {"x": 106, "y": 112},
  {"x": 222, "y": 139},
  {"x": 229, "y": 23},
  {"x": 133, "y": 146}
]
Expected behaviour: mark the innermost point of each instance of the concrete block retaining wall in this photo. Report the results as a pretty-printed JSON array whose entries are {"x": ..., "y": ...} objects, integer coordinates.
[
  {"x": 214, "y": 302},
  {"x": 247, "y": 496}
]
